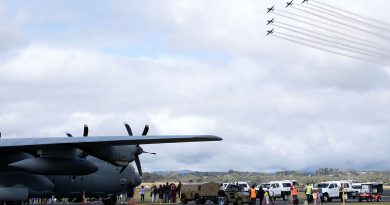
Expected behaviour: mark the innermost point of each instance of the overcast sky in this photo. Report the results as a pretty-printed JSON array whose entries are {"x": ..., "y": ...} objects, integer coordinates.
[{"x": 192, "y": 67}]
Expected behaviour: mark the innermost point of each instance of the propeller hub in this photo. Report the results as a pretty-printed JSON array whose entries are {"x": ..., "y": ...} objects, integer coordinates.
[{"x": 139, "y": 150}]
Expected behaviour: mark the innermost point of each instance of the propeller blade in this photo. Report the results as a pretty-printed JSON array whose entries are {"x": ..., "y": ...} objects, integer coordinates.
[
  {"x": 128, "y": 129},
  {"x": 138, "y": 163},
  {"x": 85, "y": 134},
  {"x": 148, "y": 152},
  {"x": 68, "y": 134},
  {"x": 123, "y": 168},
  {"x": 146, "y": 130}
]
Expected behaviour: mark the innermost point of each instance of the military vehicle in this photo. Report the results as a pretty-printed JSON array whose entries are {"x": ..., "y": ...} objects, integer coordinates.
[
  {"x": 200, "y": 192},
  {"x": 235, "y": 194}
]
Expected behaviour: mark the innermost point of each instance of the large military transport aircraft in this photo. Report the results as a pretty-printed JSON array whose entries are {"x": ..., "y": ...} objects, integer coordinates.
[{"x": 68, "y": 166}]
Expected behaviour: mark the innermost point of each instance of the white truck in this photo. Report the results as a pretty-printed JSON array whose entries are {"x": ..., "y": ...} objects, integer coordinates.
[
  {"x": 244, "y": 185},
  {"x": 280, "y": 189},
  {"x": 356, "y": 189},
  {"x": 331, "y": 189}
]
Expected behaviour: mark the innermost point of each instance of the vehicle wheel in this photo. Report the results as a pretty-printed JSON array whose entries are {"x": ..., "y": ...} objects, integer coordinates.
[
  {"x": 378, "y": 200},
  {"x": 202, "y": 201},
  {"x": 183, "y": 199},
  {"x": 197, "y": 201},
  {"x": 360, "y": 199},
  {"x": 369, "y": 199},
  {"x": 226, "y": 200},
  {"x": 326, "y": 197},
  {"x": 284, "y": 197},
  {"x": 238, "y": 202}
]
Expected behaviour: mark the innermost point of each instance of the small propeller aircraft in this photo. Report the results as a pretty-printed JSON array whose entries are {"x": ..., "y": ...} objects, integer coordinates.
[
  {"x": 270, "y": 9},
  {"x": 270, "y": 21},
  {"x": 304, "y": 1},
  {"x": 289, "y": 3},
  {"x": 270, "y": 32},
  {"x": 68, "y": 166}
]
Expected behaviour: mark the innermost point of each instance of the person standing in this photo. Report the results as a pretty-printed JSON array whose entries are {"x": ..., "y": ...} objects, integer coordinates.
[
  {"x": 261, "y": 193},
  {"x": 142, "y": 192},
  {"x": 294, "y": 194},
  {"x": 173, "y": 192},
  {"x": 271, "y": 195},
  {"x": 252, "y": 195},
  {"x": 178, "y": 189},
  {"x": 130, "y": 193},
  {"x": 266, "y": 196},
  {"x": 308, "y": 191},
  {"x": 153, "y": 193},
  {"x": 167, "y": 190},
  {"x": 160, "y": 191},
  {"x": 315, "y": 197}
]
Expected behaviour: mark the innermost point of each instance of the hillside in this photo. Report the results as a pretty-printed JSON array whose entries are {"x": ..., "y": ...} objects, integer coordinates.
[{"x": 324, "y": 174}]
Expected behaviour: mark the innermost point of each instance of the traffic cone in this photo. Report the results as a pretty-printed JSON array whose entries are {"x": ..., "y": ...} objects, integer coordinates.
[
  {"x": 83, "y": 202},
  {"x": 134, "y": 201}
]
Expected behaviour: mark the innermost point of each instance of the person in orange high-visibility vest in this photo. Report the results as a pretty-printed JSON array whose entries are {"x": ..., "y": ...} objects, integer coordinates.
[
  {"x": 252, "y": 195},
  {"x": 294, "y": 194}
]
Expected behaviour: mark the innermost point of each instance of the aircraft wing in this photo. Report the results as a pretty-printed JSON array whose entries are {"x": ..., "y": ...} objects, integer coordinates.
[{"x": 91, "y": 141}]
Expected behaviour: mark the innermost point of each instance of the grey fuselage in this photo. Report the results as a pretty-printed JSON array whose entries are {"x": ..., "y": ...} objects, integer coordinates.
[{"x": 106, "y": 181}]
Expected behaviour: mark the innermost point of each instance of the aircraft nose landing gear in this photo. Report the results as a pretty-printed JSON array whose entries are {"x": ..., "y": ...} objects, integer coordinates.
[{"x": 110, "y": 201}]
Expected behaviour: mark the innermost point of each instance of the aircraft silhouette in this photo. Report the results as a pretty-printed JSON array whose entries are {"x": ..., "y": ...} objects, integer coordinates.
[
  {"x": 270, "y": 9},
  {"x": 270, "y": 21},
  {"x": 67, "y": 166},
  {"x": 289, "y": 3},
  {"x": 270, "y": 32},
  {"x": 304, "y": 1}
]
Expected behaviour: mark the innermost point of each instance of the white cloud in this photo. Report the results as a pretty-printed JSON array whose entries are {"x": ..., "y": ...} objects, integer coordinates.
[{"x": 272, "y": 102}]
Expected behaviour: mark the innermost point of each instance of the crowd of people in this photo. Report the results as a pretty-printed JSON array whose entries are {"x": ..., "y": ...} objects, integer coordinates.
[
  {"x": 163, "y": 193},
  {"x": 267, "y": 196}
]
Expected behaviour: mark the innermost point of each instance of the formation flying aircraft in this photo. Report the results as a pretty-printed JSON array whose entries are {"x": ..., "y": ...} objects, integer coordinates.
[
  {"x": 270, "y": 9},
  {"x": 270, "y": 32},
  {"x": 270, "y": 21},
  {"x": 289, "y": 3},
  {"x": 68, "y": 166}
]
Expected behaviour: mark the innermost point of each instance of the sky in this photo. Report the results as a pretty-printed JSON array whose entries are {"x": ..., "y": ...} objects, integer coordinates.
[{"x": 192, "y": 67}]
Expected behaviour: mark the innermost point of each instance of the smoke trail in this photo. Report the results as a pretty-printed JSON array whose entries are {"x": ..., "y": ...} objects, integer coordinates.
[
  {"x": 340, "y": 15},
  {"x": 348, "y": 47},
  {"x": 331, "y": 30},
  {"x": 329, "y": 45},
  {"x": 345, "y": 24},
  {"x": 329, "y": 50},
  {"x": 336, "y": 37},
  {"x": 352, "y": 13},
  {"x": 312, "y": 19}
]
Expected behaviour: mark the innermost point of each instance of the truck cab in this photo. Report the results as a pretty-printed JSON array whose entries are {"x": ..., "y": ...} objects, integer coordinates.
[{"x": 281, "y": 189}]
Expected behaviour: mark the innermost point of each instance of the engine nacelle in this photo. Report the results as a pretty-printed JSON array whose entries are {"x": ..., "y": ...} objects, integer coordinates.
[
  {"x": 13, "y": 193},
  {"x": 56, "y": 166},
  {"x": 117, "y": 155}
]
